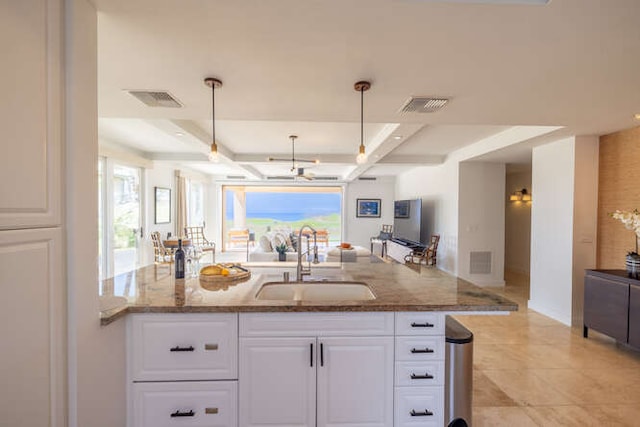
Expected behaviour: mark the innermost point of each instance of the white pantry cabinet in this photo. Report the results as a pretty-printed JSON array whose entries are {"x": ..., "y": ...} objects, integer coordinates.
[{"x": 31, "y": 113}]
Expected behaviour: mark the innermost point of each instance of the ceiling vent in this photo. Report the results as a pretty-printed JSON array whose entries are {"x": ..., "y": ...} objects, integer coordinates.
[
  {"x": 236, "y": 177},
  {"x": 423, "y": 104},
  {"x": 280, "y": 178},
  {"x": 325, "y": 178},
  {"x": 367, "y": 178},
  {"x": 156, "y": 98}
]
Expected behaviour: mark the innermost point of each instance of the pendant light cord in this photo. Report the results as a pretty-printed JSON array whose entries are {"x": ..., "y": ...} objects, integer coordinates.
[
  {"x": 361, "y": 116},
  {"x": 213, "y": 112}
]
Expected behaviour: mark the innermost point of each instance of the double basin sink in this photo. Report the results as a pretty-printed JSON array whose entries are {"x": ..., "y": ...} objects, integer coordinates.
[{"x": 315, "y": 291}]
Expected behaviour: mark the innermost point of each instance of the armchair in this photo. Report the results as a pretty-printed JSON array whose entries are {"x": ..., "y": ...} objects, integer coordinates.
[
  {"x": 199, "y": 241},
  {"x": 428, "y": 255}
]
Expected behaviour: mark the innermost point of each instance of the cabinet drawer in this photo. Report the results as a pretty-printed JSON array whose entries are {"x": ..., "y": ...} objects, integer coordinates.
[
  {"x": 425, "y": 373},
  {"x": 419, "y": 323},
  {"x": 197, "y": 404},
  {"x": 315, "y": 324},
  {"x": 167, "y": 347},
  {"x": 419, "y": 406},
  {"x": 419, "y": 348}
]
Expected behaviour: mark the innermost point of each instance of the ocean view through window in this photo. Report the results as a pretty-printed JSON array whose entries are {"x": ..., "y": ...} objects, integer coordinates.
[{"x": 262, "y": 209}]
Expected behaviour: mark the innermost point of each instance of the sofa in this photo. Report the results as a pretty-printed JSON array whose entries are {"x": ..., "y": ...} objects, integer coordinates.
[{"x": 265, "y": 251}]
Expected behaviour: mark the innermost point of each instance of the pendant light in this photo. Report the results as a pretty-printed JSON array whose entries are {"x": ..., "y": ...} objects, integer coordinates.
[
  {"x": 213, "y": 84},
  {"x": 361, "y": 86}
]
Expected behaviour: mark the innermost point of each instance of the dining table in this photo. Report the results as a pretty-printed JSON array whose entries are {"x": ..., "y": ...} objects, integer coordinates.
[{"x": 173, "y": 243}]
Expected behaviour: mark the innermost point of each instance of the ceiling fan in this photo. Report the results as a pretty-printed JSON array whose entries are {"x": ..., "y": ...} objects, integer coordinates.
[{"x": 300, "y": 173}]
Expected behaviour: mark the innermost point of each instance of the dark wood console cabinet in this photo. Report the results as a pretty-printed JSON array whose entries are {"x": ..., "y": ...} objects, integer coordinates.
[{"x": 612, "y": 305}]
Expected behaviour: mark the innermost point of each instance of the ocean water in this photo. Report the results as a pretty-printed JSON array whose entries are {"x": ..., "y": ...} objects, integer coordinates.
[{"x": 287, "y": 207}]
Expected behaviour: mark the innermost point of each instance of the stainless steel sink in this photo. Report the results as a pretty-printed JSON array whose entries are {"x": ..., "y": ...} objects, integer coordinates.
[{"x": 315, "y": 291}]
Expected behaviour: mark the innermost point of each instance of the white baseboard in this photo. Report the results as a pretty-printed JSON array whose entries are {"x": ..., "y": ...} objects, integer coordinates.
[{"x": 540, "y": 308}]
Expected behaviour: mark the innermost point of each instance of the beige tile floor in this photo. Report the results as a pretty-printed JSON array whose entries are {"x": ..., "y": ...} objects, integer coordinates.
[{"x": 530, "y": 370}]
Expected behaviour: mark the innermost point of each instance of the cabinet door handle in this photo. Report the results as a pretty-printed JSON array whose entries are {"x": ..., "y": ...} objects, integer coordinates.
[
  {"x": 426, "y": 413},
  {"x": 183, "y": 414},
  {"x": 311, "y": 354},
  {"x": 426, "y": 376},
  {"x": 211, "y": 410},
  {"x": 211, "y": 346},
  {"x": 422, "y": 350},
  {"x": 178, "y": 348},
  {"x": 422, "y": 325},
  {"x": 321, "y": 354}
]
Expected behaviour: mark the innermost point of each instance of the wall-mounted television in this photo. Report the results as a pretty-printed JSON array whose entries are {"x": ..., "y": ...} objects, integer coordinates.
[{"x": 407, "y": 220}]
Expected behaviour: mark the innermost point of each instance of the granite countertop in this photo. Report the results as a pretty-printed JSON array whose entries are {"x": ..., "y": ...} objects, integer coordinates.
[{"x": 397, "y": 287}]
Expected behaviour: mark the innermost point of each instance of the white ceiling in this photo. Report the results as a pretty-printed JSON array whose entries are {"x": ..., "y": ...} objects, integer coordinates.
[{"x": 288, "y": 66}]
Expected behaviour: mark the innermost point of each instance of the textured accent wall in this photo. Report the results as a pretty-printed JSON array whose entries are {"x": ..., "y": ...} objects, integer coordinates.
[{"x": 618, "y": 188}]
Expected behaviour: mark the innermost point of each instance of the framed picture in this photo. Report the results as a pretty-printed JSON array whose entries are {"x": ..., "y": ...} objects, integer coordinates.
[
  {"x": 163, "y": 205},
  {"x": 368, "y": 208},
  {"x": 401, "y": 209}
]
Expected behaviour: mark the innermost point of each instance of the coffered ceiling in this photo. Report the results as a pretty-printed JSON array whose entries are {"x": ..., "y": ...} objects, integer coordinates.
[{"x": 288, "y": 67}]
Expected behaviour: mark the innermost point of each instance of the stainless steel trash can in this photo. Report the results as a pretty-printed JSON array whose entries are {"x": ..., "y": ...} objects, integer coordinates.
[{"x": 458, "y": 383}]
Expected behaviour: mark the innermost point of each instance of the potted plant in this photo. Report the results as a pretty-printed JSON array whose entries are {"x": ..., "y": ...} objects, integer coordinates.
[
  {"x": 282, "y": 251},
  {"x": 631, "y": 221}
]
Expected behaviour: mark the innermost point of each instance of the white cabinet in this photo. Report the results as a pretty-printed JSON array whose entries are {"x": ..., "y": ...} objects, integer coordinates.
[
  {"x": 277, "y": 382},
  {"x": 316, "y": 380},
  {"x": 196, "y": 404},
  {"x": 182, "y": 369},
  {"x": 419, "y": 369},
  {"x": 397, "y": 251},
  {"x": 31, "y": 113},
  {"x": 355, "y": 381},
  {"x": 32, "y": 359}
]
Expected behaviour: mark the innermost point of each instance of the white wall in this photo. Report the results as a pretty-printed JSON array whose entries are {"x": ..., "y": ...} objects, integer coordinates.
[
  {"x": 585, "y": 219},
  {"x": 517, "y": 245},
  {"x": 481, "y": 219},
  {"x": 358, "y": 231},
  {"x": 96, "y": 368},
  {"x": 552, "y": 229},
  {"x": 437, "y": 186}
]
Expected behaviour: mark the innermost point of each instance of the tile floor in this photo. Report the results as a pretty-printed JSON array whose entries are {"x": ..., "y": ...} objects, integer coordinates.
[{"x": 530, "y": 370}]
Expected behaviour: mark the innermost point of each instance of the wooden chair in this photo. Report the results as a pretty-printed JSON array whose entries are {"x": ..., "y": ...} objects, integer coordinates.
[
  {"x": 385, "y": 234},
  {"x": 161, "y": 255},
  {"x": 198, "y": 240},
  {"x": 428, "y": 255}
]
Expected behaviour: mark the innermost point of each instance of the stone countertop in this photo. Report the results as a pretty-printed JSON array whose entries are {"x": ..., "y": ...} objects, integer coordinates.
[{"x": 397, "y": 287}]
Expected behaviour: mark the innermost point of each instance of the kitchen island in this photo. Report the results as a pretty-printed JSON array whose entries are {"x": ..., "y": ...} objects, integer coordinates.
[{"x": 217, "y": 355}]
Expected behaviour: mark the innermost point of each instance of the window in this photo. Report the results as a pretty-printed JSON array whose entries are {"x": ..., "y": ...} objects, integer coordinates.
[
  {"x": 195, "y": 203},
  {"x": 261, "y": 209}
]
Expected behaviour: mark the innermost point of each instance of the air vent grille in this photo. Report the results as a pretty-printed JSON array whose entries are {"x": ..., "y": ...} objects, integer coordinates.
[
  {"x": 367, "y": 178},
  {"x": 280, "y": 178},
  {"x": 156, "y": 98},
  {"x": 236, "y": 177},
  {"x": 423, "y": 104},
  {"x": 325, "y": 178},
  {"x": 480, "y": 262}
]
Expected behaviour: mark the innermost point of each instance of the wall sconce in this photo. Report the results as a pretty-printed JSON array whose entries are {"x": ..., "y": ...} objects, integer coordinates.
[{"x": 520, "y": 196}]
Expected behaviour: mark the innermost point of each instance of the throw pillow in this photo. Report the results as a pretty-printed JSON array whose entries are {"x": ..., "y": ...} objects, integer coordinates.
[
  {"x": 293, "y": 237},
  {"x": 265, "y": 244}
]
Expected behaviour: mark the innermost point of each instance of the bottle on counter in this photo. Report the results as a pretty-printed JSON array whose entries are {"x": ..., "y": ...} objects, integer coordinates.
[{"x": 180, "y": 266}]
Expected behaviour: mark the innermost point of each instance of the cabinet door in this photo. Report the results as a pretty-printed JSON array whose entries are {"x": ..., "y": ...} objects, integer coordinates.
[
  {"x": 606, "y": 304},
  {"x": 30, "y": 113},
  {"x": 634, "y": 316},
  {"x": 277, "y": 382},
  {"x": 32, "y": 353},
  {"x": 355, "y": 381}
]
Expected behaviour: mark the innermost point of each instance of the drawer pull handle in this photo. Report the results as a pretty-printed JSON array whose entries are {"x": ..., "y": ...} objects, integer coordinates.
[
  {"x": 211, "y": 410},
  {"x": 183, "y": 414},
  {"x": 421, "y": 350},
  {"x": 178, "y": 348},
  {"x": 426, "y": 413},
  {"x": 426, "y": 376},
  {"x": 211, "y": 346},
  {"x": 422, "y": 325}
]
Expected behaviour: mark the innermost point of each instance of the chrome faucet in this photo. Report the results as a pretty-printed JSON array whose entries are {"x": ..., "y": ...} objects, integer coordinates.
[{"x": 301, "y": 271}]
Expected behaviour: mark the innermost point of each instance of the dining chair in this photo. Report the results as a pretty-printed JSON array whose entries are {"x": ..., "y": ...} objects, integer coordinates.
[
  {"x": 161, "y": 255},
  {"x": 385, "y": 234},
  {"x": 199, "y": 241}
]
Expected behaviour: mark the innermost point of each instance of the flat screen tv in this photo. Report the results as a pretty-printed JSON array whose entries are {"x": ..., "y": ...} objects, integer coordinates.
[{"x": 407, "y": 220}]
